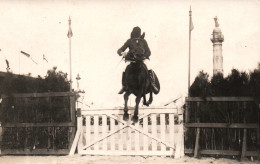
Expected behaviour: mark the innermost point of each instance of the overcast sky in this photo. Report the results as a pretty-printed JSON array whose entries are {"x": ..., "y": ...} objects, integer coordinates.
[{"x": 101, "y": 27}]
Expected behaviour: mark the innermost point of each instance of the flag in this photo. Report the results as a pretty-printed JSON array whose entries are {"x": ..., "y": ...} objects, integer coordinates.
[
  {"x": 7, "y": 65},
  {"x": 191, "y": 23},
  {"x": 29, "y": 56},
  {"x": 70, "y": 34},
  {"x": 44, "y": 58}
]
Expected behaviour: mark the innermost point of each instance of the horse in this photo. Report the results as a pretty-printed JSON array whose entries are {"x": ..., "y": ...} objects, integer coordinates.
[{"x": 137, "y": 83}]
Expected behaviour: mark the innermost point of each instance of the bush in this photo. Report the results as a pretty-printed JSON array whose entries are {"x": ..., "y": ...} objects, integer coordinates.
[
  {"x": 53, "y": 82},
  {"x": 236, "y": 84}
]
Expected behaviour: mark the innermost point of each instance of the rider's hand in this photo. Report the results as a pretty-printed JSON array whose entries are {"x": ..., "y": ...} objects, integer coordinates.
[{"x": 123, "y": 54}]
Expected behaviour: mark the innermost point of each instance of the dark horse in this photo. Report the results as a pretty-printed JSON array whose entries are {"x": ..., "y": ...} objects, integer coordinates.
[{"x": 138, "y": 83}]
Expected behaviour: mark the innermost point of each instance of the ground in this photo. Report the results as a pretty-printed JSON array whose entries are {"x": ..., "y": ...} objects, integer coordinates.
[{"x": 78, "y": 159}]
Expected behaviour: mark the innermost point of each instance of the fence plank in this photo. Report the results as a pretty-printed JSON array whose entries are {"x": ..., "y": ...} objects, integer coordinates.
[
  {"x": 171, "y": 126},
  {"x": 154, "y": 131},
  {"x": 136, "y": 133},
  {"x": 48, "y": 94},
  {"x": 104, "y": 131},
  {"x": 162, "y": 131},
  {"x": 240, "y": 99},
  {"x": 88, "y": 132},
  {"x": 128, "y": 138},
  {"x": 112, "y": 138},
  {"x": 145, "y": 138},
  {"x": 120, "y": 135},
  {"x": 96, "y": 132},
  {"x": 222, "y": 152},
  {"x": 222, "y": 125}
]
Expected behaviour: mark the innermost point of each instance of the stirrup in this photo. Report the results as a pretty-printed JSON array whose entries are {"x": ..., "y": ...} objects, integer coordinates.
[{"x": 155, "y": 89}]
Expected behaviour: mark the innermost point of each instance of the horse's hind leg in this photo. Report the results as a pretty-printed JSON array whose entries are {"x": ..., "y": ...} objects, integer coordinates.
[
  {"x": 150, "y": 98},
  {"x": 144, "y": 101},
  {"x": 126, "y": 115},
  {"x": 137, "y": 101}
]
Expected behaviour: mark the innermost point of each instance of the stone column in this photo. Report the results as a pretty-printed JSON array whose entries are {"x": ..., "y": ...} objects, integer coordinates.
[{"x": 217, "y": 38}]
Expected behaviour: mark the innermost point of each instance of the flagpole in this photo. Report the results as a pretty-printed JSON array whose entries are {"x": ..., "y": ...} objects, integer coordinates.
[
  {"x": 19, "y": 62},
  {"x": 70, "y": 66},
  {"x": 190, "y": 14},
  {"x": 70, "y": 57}
]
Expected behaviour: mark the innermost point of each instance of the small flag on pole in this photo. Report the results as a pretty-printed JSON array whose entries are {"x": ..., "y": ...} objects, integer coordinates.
[
  {"x": 44, "y": 58},
  {"x": 7, "y": 65},
  {"x": 191, "y": 23},
  {"x": 29, "y": 56},
  {"x": 70, "y": 34}
]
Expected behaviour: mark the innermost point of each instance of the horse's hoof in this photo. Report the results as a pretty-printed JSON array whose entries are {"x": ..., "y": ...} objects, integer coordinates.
[
  {"x": 135, "y": 119},
  {"x": 126, "y": 117}
]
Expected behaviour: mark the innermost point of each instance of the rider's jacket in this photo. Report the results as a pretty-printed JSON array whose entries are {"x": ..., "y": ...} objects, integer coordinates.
[{"x": 129, "y": 55}]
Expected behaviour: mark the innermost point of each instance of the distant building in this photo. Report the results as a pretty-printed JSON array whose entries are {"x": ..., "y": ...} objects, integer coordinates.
[{"x": 217, "y": 38}]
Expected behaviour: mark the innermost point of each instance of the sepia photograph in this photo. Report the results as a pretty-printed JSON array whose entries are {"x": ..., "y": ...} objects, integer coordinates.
[{"x": 141, "y": 81}]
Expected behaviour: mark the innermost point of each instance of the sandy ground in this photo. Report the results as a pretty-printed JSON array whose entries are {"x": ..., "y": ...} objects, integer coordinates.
[{"x": 78, "y": 159}]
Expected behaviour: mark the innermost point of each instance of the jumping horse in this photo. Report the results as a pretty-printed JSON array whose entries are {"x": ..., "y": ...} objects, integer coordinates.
[{"x": 138, "y": 83}]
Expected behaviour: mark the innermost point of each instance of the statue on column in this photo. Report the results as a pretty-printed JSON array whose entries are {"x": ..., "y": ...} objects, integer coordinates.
[{"x": 216, "y": 21}]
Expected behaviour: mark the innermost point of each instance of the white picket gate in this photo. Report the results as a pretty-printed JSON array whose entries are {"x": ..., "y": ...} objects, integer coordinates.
[{"x": 104, "y": 132}]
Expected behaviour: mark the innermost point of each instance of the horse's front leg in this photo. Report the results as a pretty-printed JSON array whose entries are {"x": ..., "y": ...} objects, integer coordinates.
[
  {"x": 137, "y": 101},
  {"x": 126, "y": 115}
]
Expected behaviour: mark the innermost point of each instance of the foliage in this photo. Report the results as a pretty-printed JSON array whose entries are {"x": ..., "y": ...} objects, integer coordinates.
[
  {"x": 54, "y": 82},
  {"x": 236, "y": 84}
]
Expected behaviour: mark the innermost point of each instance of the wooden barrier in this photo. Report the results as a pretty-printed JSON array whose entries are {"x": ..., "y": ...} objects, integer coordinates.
[
  {"x": 240, "y": 127},
  {"x": 104, "y": 132},
  {"x": 28, "y": 129}
]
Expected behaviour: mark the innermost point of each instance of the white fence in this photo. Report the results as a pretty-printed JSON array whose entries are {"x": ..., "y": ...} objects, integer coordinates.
[{"x": 104, "y": 132}]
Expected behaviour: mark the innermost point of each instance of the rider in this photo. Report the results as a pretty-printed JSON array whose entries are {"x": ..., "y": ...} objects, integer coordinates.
[{"x": 136, "y": 33}]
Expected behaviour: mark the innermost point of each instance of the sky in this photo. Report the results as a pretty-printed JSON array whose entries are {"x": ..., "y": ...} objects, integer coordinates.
[{"x": 100, "y": 28}]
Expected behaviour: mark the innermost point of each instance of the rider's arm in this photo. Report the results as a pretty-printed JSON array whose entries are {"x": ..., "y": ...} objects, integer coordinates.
[
  {"x": 123, "y": 48},
  {"x": 147, "y": 50}
]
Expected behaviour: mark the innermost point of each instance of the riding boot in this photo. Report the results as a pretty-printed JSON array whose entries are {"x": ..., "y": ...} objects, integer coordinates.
[
  {"x": 154, "y": 88},
  {"x": 123, "y": 84},
  {"x": 153, "y": 85}
]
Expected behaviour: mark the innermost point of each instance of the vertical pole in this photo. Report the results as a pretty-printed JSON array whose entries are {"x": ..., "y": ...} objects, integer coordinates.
[
  {"x": 243, "y": 154},
  {"x": 79, "y": 126},
  {"x": 70, "y": 65},
  {"x": 190, "y": 28},
  {"x": 19, "y": 62},
  {"x": 69, "y": 36},
  {"x": 258, "y": 129},
  {"x": 196, "y": 149}
]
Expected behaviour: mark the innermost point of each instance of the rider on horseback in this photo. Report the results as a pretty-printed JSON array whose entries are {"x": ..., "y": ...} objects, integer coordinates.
[{"x": 130, "y": 56}]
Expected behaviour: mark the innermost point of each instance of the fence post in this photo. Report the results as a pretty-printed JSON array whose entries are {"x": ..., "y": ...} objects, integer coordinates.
[
  {"x": 187, "y": 119},
  {"x": 72, "y": 100},
  {"x": 187, "y": 111},
  {"x": 79, "y": 126},
  {"x": 258, "y": 129},
  {"x": 243, "y": 154},
  {"x": 196, "y": 149}
]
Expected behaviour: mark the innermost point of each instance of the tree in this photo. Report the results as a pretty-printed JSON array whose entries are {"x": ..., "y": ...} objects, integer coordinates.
[{"x": 201, "y": 86}]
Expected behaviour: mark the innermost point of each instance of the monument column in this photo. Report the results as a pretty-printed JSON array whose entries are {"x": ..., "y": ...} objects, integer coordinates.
[{"x": 217, "y": 38}]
